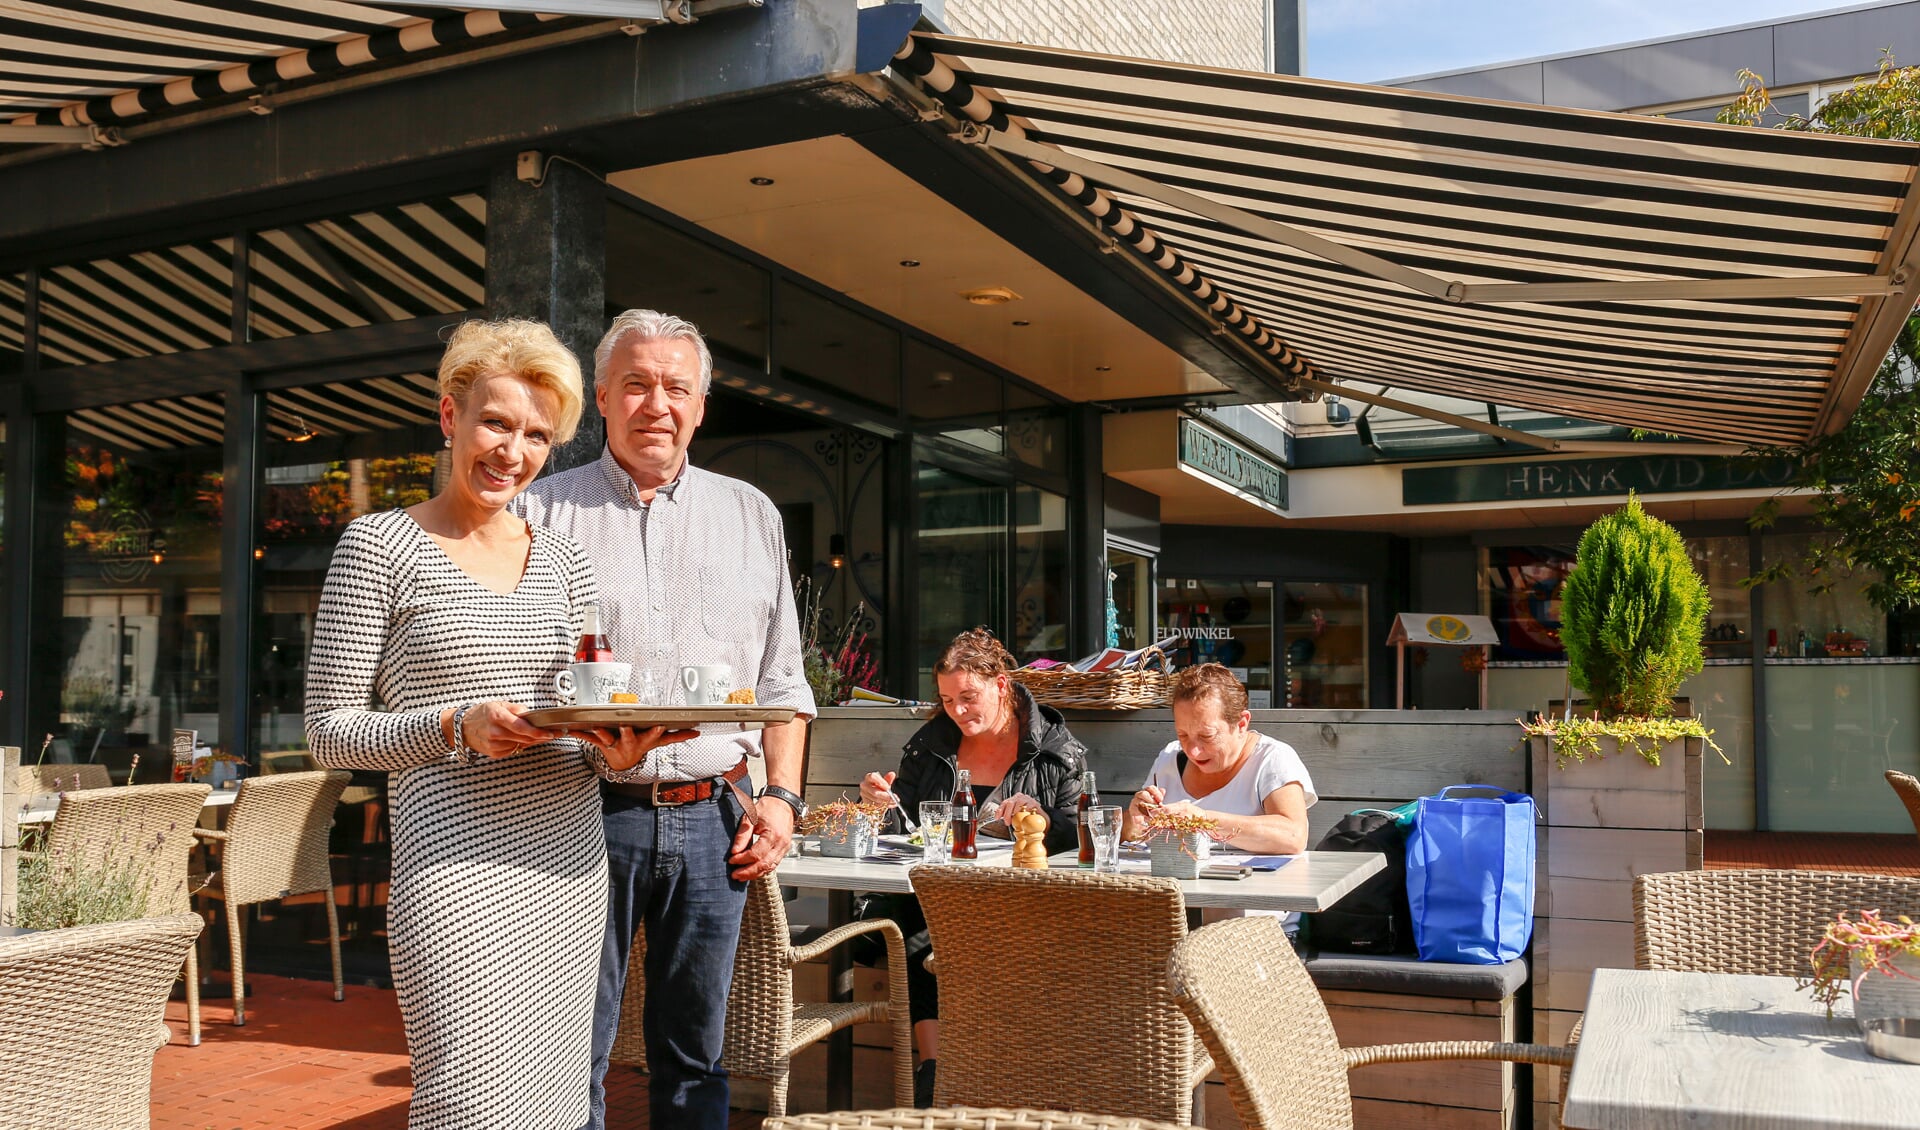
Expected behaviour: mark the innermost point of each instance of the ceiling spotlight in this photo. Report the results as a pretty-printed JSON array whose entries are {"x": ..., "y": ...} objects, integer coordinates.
[
  {"x": 1103, "y": 368},
  {"x": 909, "y": 262},
  {"x": 760, "y": 182},
  {"x": 1021, "y": 322},
  {"x": 989, "y": 296}
]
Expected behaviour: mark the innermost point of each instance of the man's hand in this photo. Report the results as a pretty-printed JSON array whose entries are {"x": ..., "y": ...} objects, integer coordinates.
[{"x": 762, "y": 842}]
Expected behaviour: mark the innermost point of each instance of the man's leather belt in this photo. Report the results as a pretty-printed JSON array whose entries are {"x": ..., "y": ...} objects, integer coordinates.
[{"x": 669, "y": 794}]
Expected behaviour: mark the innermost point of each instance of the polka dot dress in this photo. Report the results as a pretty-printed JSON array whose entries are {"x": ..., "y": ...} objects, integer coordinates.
[{"x": 498, "y": 901}]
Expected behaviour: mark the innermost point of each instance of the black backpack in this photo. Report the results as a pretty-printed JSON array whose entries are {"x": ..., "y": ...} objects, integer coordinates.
[{"x": 1375, "y": 917}]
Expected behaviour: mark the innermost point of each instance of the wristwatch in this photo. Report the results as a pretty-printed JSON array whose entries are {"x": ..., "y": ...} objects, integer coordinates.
[{"x": 792, "y": 800}]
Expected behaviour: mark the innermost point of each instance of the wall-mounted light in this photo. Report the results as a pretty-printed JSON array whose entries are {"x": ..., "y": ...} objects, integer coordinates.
[
  {"x": 158, "y": 557},
  {"x": 304, "y": 434},
  {"x": 760, "y": 182},
  {"x": 259, "y": 552},
  {"x": 837, "y": 551}
]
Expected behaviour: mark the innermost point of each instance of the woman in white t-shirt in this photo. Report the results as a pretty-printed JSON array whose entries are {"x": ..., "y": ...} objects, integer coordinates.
[{"x": 1253, "y": 785}]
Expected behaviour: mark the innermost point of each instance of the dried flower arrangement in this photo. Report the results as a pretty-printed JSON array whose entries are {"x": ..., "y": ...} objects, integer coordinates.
[
  {"x": 1175, "y": 824},
  {"x": 841, "y": 818},
  {"x": 1874, "y": 940}
]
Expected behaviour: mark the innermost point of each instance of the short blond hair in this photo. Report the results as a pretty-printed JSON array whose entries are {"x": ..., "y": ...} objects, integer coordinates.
[
  {"x": 514, "y": 347},
  {"x": 1211, "y": 680}
]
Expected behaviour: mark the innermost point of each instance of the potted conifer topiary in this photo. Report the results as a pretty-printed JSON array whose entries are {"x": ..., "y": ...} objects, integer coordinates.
[{"x": 1633, "y": 615}]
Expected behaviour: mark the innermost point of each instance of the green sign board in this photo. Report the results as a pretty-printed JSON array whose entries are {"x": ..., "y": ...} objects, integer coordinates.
[
  {"x": 1588, "y": 478},
  {"x": 1221, "y": 459}
]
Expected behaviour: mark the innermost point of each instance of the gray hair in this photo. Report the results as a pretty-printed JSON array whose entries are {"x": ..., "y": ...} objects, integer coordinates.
[{"x": 651, "y": 325}]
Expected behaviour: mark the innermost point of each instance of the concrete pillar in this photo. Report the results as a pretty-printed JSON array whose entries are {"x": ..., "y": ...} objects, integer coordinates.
[{"x": 547, "y": 260}]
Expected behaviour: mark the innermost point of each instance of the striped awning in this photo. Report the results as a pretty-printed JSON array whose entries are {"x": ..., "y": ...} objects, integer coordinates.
[
  {"x": 294, "y": 415},
  {"x": 1717, "y": 282},
  {"x": 103, "y": 62}
]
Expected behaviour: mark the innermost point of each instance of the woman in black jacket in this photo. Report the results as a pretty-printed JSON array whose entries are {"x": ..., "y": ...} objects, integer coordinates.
[{"x": 1020, "y": 755}]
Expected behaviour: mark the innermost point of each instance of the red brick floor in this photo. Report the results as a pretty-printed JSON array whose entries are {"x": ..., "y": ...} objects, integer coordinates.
[
  {"x": 306, "y": 1062},
  {"x": 1806, "y": 851}
]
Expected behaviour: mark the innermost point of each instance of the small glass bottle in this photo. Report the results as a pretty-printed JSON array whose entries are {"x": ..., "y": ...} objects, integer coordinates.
[
  {"x": 594, "y": 647},
  {"x": 1089, "y": 797},
  {"x": 965, "y": 825}
]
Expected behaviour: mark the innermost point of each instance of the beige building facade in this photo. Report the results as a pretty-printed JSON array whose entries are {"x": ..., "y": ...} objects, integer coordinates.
[{"x": 1237, "y": 34}]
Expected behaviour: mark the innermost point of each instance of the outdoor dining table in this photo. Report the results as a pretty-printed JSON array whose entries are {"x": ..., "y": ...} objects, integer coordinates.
[
  {"x": 41, "y": 809},
  {"x": 1715, "y": 1050},
  {"x": 1310, "y": 881}
]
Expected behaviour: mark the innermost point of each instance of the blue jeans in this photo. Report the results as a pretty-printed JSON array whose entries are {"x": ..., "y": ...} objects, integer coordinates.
[{"x": 667, "y": 872}]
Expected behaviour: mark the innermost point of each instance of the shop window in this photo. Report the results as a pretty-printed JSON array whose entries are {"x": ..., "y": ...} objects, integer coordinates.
[
  {"x": 953, "y": 399},
  {"x": 961, "y": 560},
  {"x": 1224, "y": 621},
  {"x": 1036, "y": 430},
  {"x": 1325, "y": 644},
  {"x": 831, "y": 347},
  {"x": 333, "y": 452},
  {"x": 163, "y": 300},
  {"x": 1130, "y": 604},
  {"x": 1803, "y": 623},
  {"x": 384, "y": 264},
  {"x": 1723, "y": 563},
  {"x": 1523, "y": 600},
  {"x": 651, "y": 266},
  {"x": 139, "y": 634},
  {"x": 1040, "y": 598}
]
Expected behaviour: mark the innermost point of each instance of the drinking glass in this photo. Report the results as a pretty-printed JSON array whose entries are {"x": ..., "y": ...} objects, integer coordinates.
[
  {"x": 1103, "y": 824},
  {"x": 936, "y": 830},
  {"x": 646, "y": 687}
]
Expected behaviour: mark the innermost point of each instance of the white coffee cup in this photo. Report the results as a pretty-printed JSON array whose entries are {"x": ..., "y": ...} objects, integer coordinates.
[
  {"x": 707, "y": 684},
  {"x": 593, "y": 684}
]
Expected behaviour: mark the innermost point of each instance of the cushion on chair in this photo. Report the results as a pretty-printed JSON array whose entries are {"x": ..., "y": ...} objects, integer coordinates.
[{"x": 1413, "y": 977}]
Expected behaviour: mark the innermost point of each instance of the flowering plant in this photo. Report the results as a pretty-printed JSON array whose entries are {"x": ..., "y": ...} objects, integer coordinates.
[
  {"x": 833, "y": 666},
  {"x": 1876, "y": 941},
  {"x": 841, "y": 819},
  {"x": 87, "y": 886}
]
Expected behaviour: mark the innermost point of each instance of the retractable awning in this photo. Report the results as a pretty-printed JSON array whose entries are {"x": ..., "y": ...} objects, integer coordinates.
[{"x": 1718, "y": 282}]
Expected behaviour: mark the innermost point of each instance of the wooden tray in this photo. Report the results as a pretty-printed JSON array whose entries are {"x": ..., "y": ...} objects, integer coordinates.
[{"x": 672, "y": 717}]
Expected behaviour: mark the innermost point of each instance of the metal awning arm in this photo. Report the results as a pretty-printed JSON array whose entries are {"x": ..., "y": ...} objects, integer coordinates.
[
  {"x": 1545, "y": 443},
  {"x": 1458, "y": 293}
]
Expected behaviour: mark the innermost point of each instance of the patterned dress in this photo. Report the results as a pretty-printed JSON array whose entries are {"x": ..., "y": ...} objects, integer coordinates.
[{"x": 499, "y": 888}]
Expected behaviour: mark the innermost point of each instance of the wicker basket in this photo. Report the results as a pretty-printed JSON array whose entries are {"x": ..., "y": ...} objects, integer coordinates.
[{"x": 1135, "y": 688}]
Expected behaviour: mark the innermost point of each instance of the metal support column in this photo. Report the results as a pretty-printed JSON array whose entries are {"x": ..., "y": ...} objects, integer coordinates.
[
  {"x": 1757, "y": 643},
  {"x": 245, "y": 435},
  {"x": 547, "y": 260},
  {"x": 1087, "y": 532}
]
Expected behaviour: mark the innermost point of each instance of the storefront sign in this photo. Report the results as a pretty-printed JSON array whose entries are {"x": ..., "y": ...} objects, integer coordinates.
[
  {"x": 1586, "y": 478},
  {"x": 1216, "y": 457}
]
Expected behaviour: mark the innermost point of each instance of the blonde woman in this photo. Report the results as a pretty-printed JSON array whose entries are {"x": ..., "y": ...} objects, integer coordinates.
[{"x": 438, "y": 627}]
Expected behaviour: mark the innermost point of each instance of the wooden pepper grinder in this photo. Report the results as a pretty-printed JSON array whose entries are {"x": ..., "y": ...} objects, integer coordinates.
[{"x": 1029, "y": 839}]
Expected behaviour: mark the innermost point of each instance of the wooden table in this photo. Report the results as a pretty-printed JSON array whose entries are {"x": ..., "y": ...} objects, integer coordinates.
[
  {"x": 1712, "y": 1050},
  {"x": 44, "y": 807},
  {"x": 1315, "y": 880}
]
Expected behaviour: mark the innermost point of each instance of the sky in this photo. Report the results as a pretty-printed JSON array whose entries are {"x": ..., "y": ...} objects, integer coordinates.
[{"x": 1371, "y": 40}]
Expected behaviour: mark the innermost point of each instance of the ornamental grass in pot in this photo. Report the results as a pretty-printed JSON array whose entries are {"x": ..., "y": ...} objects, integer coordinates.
[
  {"x": 1633, "y": 616},
  {"x": 1178, "y": 841},
  {"x": 847, "y": 828}
]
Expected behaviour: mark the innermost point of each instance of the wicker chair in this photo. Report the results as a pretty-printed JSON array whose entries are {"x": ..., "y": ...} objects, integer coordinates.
[
  {"x": 1053, "y": 991},
  {"x": 159, "y": 819},
  {"x": 766, "y": 1028},
  {"x": 32, "y": 780},
  {"x": 275, "y": 845},
  {"x": 1759, "y": 921},
  {"x": 1257, "y": 1011},
  {"x": 1907, "y": 786},
  {"x": 962, "y": 1118},
  {"x": 81, "y": 1013}
]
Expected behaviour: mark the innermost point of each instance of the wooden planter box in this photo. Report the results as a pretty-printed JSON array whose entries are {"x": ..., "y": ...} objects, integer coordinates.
[{"x": 1605, "y": 821}]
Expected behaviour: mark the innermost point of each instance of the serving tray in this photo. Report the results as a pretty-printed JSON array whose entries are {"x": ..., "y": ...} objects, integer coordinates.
[{"x": 672, "y": 717}]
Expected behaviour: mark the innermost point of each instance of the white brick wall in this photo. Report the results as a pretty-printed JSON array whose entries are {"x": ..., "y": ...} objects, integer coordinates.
[{"x": 1212, "y": 33}]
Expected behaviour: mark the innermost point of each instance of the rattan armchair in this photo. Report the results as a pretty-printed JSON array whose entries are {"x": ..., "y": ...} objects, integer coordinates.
[
  {"x": 1053, "y": 991},
  {"x": 157, "y": 820},
  {"x": 1257, "y": 1011},
  {"x": 962, "y": 1118},
  {"x": 1758, "y": 921},
  {"x": 81, "y": 1013},
  {"x": 275, "y": 845},
  {"x": 35, "y": 780},
  {"x": 766, "y": 1028},
  {"x": 1907, "y": 787}
]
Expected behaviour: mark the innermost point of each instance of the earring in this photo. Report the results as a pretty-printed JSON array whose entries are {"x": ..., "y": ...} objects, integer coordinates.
[{"x": 447, "y": 442}]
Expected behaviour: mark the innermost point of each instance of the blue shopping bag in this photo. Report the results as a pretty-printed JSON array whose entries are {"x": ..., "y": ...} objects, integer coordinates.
[{"x": 1470, "y": 876}]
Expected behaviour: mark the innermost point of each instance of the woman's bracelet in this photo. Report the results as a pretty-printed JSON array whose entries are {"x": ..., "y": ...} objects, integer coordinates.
[{"x": 460, "y": 746}]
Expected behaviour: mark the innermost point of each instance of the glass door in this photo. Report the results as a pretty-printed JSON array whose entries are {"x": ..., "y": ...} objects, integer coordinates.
[
  {"x": 1325, "y": 648},
  {"x": 1130, "y": 607},
  {"x": 961, "y": 561}
]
